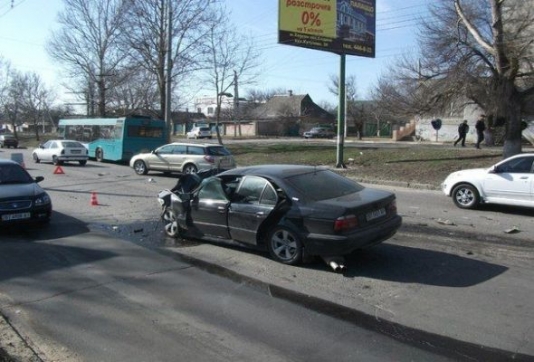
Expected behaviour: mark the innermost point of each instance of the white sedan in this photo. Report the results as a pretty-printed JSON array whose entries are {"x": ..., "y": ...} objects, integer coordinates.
[
  {"x": 60, "y": 151},
  {"x": 509, "y": 182}
]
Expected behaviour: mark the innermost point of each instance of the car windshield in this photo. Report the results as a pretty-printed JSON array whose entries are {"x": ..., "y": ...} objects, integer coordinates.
[
  {"x": 312, "y": 185},
  {"x": 72, "y": 144},
  {"x": 218, "y": 151},
  {"x": 9, "y": 137},
  {"x": 13, "y": 174}
]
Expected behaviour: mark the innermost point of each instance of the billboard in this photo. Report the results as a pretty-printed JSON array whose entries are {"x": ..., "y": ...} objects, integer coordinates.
[{"x": 339, "y": 26}]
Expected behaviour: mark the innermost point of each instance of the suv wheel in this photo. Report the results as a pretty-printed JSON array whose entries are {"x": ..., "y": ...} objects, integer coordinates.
[{"x": 190, "y": 168}]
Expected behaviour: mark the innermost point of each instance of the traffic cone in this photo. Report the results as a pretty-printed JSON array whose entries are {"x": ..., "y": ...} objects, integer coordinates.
[{"x": 94, "y": 201}]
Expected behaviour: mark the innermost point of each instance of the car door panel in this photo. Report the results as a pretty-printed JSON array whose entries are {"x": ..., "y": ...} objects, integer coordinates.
[
  {"x": 244, "y": 220},
  {"x": 252, "y": 203},
  {"x": 209, "y": 209},
  {"x": 511, "y": 181}
]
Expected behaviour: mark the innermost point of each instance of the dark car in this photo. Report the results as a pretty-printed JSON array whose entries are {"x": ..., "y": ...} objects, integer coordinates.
[
  {"x": 294, "y": 211},
  {"x": 21, "y": 198},
  {"x": 320, "y": 132},
  {"x": 8, "y": 140}
]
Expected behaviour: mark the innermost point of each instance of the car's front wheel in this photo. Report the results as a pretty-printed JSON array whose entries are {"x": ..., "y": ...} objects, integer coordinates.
[
  {"x": 465, "y": 196},
  {"x": 170, "y": 223},
  {"x": 285, "y": 246},
  {"x": 36, "y": 158},
  {"x": 140, "y": 167}
]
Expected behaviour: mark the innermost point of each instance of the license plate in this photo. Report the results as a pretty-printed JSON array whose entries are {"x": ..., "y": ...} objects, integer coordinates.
[
  {"x": 75, "y": 152},
  {"x": 22, "y": 215},
  {"x": 375, "y": 214}
]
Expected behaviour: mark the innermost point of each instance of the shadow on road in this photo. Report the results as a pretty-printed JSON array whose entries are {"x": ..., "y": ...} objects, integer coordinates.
[
  {"x": 29, "y": 250},
  {"x": 414, "y": 265}
]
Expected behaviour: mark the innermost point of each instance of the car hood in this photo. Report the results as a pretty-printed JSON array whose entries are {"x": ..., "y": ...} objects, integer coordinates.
[
  {"x": 12, "y": 191},
  {"x": 469, "y": 173}
]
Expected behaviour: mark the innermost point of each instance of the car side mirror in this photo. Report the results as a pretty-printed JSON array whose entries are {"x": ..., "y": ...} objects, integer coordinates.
[{"x": 495, "y": 169}]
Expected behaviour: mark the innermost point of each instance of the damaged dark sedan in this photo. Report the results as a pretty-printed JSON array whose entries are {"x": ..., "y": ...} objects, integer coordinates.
[{"x": 293, "y": 211}]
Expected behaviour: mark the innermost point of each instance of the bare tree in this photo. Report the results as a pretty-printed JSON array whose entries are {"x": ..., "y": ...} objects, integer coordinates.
[
  {"x": 147, "y": 37},
  {"x": 35, "y": 99},
  {"x": 5, "y": 81},
  {"x": 477, "y": 50},
  {"x": 135, "y": 92},
  {"x": 353, "y": 112},
  {"x": 262, "y": 96},
  {"x": 230, "y": 58},
  {"x": 12, "y": 105},
  {"x": 87, "y": 43}
]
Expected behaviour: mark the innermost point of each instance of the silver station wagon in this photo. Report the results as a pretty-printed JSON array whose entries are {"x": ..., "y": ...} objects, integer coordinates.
[{"x": 183, "y": 158}]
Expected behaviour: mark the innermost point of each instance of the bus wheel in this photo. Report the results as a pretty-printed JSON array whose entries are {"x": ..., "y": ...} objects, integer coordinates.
[
  {"x": 140, "y": 167},
  {"x": 99, "y": 155}
]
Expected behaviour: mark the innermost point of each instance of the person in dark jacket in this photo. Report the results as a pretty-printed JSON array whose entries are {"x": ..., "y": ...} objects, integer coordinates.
[
  {"x": 480, "y": 126},
  {"x": 463, "y": 128}
]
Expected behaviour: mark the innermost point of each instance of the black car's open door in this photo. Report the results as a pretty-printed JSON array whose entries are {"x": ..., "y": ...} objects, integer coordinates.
[
  {"x": 209, "y": 209},
  {"x": 253, "y": 201}
]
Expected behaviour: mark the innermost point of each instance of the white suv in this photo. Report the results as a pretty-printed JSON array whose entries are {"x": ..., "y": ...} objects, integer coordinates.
[{"x": 199, "y": 132}]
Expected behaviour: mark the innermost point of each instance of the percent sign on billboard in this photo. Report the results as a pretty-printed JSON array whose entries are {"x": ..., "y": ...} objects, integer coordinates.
[{"x": 340, "y": 26}]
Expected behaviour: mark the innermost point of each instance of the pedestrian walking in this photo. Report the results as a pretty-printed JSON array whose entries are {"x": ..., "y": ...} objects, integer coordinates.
[
  {"x": 463, "y": 128},
  {"x": 480, "y": 126}
]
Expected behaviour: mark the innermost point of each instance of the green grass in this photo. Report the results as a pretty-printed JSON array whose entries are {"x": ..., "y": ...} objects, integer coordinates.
[{"x": 425, "y": 164}]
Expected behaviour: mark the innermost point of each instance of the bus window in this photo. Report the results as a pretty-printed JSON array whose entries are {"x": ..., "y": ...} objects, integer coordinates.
[{"x": 145, "y": 131}]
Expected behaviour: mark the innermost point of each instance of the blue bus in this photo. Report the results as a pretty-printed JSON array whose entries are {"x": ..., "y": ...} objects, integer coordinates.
[{"x": 114, "y": 139}]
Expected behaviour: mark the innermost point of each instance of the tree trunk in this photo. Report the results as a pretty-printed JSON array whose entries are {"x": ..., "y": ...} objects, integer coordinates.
[{"x": 510, "y": 106}]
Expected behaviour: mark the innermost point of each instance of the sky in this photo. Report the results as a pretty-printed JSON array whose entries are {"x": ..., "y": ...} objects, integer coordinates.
[{"x": 25, "y": 26}]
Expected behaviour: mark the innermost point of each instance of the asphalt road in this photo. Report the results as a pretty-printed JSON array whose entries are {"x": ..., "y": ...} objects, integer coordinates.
[{"x": 454, "y": 280}]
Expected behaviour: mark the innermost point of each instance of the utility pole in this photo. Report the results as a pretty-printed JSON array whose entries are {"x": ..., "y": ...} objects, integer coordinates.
[
  {"x": 236, "y": 106},
  {"x": 168, "y": 116}
]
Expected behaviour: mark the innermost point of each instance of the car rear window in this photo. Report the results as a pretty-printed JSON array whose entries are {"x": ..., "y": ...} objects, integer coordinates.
[
  {"x": 72, "y": 144},
  {"x": 204, "y": 129},
  {"x": 324, "y": 185},
  {"x": 218, "y": 151}
]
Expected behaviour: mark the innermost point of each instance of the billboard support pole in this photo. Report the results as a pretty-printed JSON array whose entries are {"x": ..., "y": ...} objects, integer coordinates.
[{"x": 341, "y": 114}]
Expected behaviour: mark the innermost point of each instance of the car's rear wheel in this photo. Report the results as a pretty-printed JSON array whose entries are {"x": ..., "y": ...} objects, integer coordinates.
[
  {"x": 99, "y": 155},
  {"x": 465, "y": 196},
  {"x": 36, "y": 158},
  {"x": 170, "y": 223},
  {"x": 285, "y": 246},
  {"x": 190, "y": 168},
  {"x": 140, "y": 167},
  {"x": 56, "y": 161}
]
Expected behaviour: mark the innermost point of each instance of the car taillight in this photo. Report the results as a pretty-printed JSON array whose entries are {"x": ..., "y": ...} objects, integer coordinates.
[
  {"x": 210, "y": 159},
  {"x": 392, "y": 207},
  {"x": 346, "y": 222}
]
